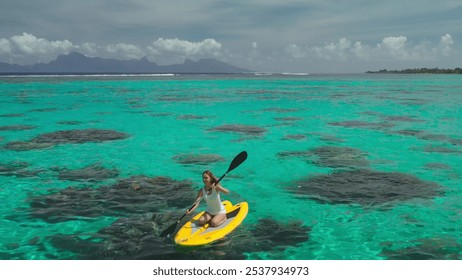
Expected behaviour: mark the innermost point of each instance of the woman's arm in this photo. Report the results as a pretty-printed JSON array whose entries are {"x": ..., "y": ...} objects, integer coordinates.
[
  {"x": 196, "y": 203},
  {"x": 221, "y": 188}
]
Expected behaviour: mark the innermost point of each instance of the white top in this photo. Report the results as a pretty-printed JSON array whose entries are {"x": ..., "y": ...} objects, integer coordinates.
[{"x": 214, "y": 205}]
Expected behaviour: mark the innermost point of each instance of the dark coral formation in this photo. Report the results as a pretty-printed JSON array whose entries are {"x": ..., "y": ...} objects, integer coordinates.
[
  {"x": 270, "y": 233},
  {"x": 288, "y": 119},
  {"x": 201, "y": 159},
  {"x": 281, "y": 110},
  {"x": 92, "y": 173},
  {"x": 17, "y": 169},
  {"x": 137, "y": 238},
  {"x": 26, "y": 145},
  {"x": 137, "y": 194},
  {"x": 17, "y": 127},
  {"x": 340, "y": 157},
  {"x": 393, "y": 118},
  {"x": 127, "y": 238},
  {"x": 12, "y": 166},
  {"x": 191, "y": 117},
  {"x": 437, "y": 166},
  {"x": 441, "y": 150},
  {"x": 70, "y": 122},
  {"x": 331, "y": 139},
  {"x": 423, "y": 135},
  {"x": 11, "y": 115},
  {"x": 240, "y": 128},
  {"x": 365, "y": 187},
  {"x": 402, "y": 119},
  {"x": 332, "y": 156},
  {"x": 45, "y": 110},
  {"x": 387, "y": 123},
  {"x": 425, "y": 249},
  {"x": 77, "y": 136},
  {"x": 145, "y": 207},
  {"x": 364, "y": 124},
  {"x": 294, "y": 137}
]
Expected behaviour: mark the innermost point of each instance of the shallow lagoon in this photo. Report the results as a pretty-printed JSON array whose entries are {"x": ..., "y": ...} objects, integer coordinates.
[{"x": 339, "y": 167}]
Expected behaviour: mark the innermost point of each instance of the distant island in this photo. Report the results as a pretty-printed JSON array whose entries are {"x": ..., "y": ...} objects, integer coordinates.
[
  {"x": 77, "y": 63},
  {"x": 419, "y": 71}
]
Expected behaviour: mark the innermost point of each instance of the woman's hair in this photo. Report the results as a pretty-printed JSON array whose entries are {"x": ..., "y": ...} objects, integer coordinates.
[{"x": 213, "y": 178}]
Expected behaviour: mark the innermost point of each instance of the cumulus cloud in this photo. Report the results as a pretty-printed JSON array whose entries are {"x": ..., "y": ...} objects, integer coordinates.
[
  {"x": 120, "y": 51},
  {"x": 399, "y": 48},
  {"x": 296, "y": 51},
  {"x": 396, "y": 48},
  {"x": 5, "y": 46},
  {"x": 25, "y": 47},
  {"x": 392, "y": 50},
  {"x": 29, "y": 44},
  {"x": 445, "y": 44},
  {"x": 175, "y": 50},
  {"x": 125, "y": 51},
  {"x": 361, "y": 51},
  {"x": 29, "y": 49},
  {"x": 90, "y": 49},
  {"x": 337, "y": 50}
]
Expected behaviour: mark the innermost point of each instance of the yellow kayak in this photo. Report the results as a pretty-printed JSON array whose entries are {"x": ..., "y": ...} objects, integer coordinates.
[{"x": 191, "y": 234}]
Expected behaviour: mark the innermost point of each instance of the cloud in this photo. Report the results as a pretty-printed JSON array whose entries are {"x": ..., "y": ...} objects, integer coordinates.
[
  {"x": 391, "y": 51},
  {"x": 5, "y": 46},
  {"x": 125, "y": 51},
  {"x": 399, "y": 49},
  {"x": 175, "y": 50},
  {"x": 121, "y": 51},
  {"x": 445, "y": 44},
  {"x": 22, "y": 48},
  {"x": 29, "y": 44},
  {"x": 29, "y": 49},
  {"x": 396, "y": 48},
  {"x": 338, "y": 51},
  {"x": 296, "y": 51},
  {"x": 186, "y": 48},
  {"x": 361, "y": 51}
]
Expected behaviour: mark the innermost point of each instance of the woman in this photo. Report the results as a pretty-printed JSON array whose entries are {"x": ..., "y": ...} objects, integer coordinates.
[{"x": 215, "y": 214}]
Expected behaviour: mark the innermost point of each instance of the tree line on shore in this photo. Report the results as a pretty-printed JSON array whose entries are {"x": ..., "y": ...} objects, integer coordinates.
[{"x": 419, "y": 71}]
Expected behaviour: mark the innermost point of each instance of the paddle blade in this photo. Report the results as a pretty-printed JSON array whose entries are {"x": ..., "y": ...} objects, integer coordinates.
[
  {"x": 172, "y": 227},
  {"x": 240, "y": 158},
  {"x": 169, "y": 230}
]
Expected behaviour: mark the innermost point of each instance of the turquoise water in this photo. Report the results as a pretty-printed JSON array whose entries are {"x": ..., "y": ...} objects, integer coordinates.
[{"x": 294, "y": 128}]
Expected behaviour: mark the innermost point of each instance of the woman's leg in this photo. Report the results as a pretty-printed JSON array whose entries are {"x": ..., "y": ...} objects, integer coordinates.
[
  {"x": 217, "y": 220},
  {"x": 205, "y": 218}
]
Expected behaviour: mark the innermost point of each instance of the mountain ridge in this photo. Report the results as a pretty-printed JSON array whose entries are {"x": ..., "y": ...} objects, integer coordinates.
[{"x": 77, "y": 63}]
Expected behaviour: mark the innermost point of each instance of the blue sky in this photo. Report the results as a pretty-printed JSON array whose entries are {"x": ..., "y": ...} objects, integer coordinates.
[{"x": 311, "y": 36}]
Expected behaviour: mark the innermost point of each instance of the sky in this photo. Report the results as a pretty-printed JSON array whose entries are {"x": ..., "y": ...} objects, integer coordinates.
[{"x": 311, "y": 36}]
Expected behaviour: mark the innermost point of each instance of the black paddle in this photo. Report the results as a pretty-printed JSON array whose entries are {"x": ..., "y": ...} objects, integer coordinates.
[{"x": 240, "y": 158}]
